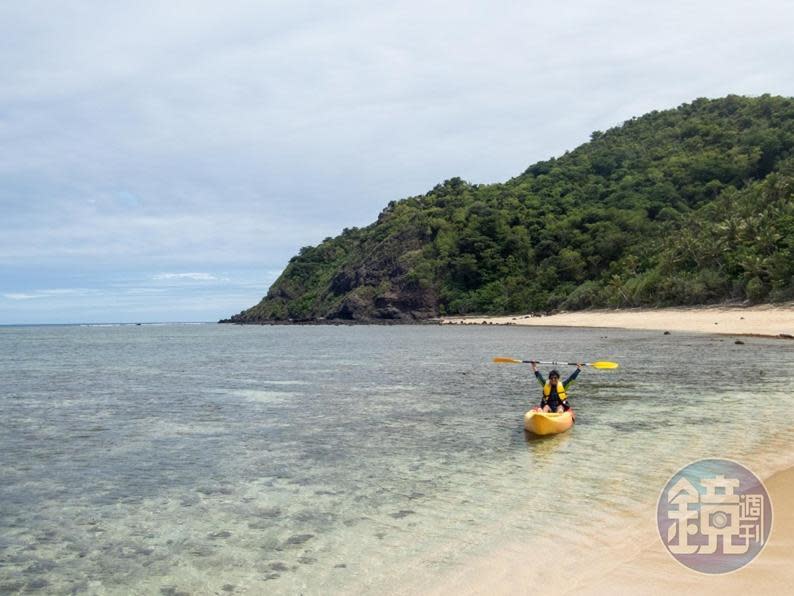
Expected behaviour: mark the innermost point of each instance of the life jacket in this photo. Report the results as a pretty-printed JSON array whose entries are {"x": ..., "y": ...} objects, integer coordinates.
[{"x": 560, "y": 390}]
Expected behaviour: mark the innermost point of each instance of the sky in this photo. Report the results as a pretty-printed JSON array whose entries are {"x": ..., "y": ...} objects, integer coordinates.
[{"x": 162, "y": 161}]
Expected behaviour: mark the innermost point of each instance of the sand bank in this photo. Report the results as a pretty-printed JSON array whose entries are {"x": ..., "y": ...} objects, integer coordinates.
[
  {"x": 732, "y": 320},
  {"x": 637, "y": 564}
]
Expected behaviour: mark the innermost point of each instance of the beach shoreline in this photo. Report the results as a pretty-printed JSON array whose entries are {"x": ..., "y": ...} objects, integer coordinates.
[
  {"x": 759, "y": 321},
  {"x": 632, "y": 561},
  {"x": 653, "y": 569}
]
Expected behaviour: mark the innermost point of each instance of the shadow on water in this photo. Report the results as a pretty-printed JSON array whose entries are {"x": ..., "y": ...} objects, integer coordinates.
[{"x": 543, "y": 446}]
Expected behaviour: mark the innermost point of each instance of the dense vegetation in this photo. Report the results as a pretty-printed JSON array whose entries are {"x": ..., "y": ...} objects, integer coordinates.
[{"x": 685, "y": 206}]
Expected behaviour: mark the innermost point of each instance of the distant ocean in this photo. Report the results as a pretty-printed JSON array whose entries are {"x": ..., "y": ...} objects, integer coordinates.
[{"x": 283, "y": 460}]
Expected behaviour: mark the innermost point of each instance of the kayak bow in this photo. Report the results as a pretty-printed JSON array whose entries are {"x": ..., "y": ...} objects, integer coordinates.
[{"x": 539, "y": 422}]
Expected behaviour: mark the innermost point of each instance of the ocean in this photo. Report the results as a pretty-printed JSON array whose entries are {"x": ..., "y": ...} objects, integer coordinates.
[{"x": 215, "y": 459}]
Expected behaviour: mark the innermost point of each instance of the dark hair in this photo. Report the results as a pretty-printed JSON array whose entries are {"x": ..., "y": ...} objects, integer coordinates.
[{"x": 554, "y": 373}]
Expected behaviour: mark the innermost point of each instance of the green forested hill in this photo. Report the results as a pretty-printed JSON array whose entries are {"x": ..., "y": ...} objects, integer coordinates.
[{"x": 686, "y": 206}]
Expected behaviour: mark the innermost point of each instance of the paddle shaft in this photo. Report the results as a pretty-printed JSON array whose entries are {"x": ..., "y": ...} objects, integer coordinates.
[{"x": 553, "y": 362}]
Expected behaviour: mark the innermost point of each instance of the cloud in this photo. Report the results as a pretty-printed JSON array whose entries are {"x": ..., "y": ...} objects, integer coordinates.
[
  {"x": 21, "y": 296},
  {"x": 135, "y": 296},
  {"x": 188, "y": 276},
  {"x": 50, "y": 293},
  {"x": 84, "y": 234}
]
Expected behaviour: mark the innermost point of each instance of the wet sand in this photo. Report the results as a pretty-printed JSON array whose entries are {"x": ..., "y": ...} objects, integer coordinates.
[
  {"x": 653, "y": 570},
  {"x": 733, "y": 320},
  {"x": 637, "y": 563}
]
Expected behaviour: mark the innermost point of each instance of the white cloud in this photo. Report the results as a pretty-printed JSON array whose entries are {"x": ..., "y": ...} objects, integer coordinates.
[
  {"x": 49, "y": 293},
  {"x": 21, "y": 296},
  {"x": 197, "y": 276}
]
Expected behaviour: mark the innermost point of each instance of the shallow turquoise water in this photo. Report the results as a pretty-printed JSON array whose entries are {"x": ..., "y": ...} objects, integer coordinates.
[{"x": 204, "y": 459}]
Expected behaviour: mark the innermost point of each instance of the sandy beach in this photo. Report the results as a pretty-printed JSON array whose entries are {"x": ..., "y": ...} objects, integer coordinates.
[
  {"x": 653, "y": 570},
  {"x": 637, "y": 563},
  {"x": 731, "y": 320}
]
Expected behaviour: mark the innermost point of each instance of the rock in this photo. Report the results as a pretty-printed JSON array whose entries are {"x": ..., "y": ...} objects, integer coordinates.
[
  {"x": 666, "y": 333},
  {"x": 277, "y": 566},
  {"x": 402, "y": 513},
  {"x": 389, "y": 312},
  {"x": 298, "y": 539},
  {"x": 739, "y": 342},
  {"x": 352, "y": 307},
  {"x": 342, "y": 283},
  {"x": 172, "y": 591}
]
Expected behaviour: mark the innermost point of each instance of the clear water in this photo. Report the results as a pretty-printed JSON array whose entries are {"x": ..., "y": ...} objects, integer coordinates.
[{"x": 282, "y": 460}]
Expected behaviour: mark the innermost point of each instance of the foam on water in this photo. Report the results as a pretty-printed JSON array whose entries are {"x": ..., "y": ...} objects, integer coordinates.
[{"x": 320, "y": 459}]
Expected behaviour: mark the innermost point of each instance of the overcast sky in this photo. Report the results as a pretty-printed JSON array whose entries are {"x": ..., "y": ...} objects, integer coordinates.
[{"x": 162, "y": 162}]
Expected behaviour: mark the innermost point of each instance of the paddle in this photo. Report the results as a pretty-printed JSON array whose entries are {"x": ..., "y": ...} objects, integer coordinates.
[{"x": 601, "y": 364}]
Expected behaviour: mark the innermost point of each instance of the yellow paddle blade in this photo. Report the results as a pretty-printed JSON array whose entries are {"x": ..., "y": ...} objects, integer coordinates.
[
  {"x": 604, "y": 364},
  {"x": 502, "y": 360}
]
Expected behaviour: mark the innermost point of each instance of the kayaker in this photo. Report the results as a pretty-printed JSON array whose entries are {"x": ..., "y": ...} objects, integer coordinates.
[{"x": 555, "y": 397}]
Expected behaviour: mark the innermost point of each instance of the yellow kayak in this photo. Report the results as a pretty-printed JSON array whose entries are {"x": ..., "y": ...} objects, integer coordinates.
[{"x": 548, "y": 423}]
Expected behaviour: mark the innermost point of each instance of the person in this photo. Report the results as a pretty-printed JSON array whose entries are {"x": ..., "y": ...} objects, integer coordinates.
[{"x": 555, "y": 395}]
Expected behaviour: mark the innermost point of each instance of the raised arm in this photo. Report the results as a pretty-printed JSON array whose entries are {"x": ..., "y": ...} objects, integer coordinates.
[
  {"x": 538, "y": 376},
  {"x": 572, "y": 378}
]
